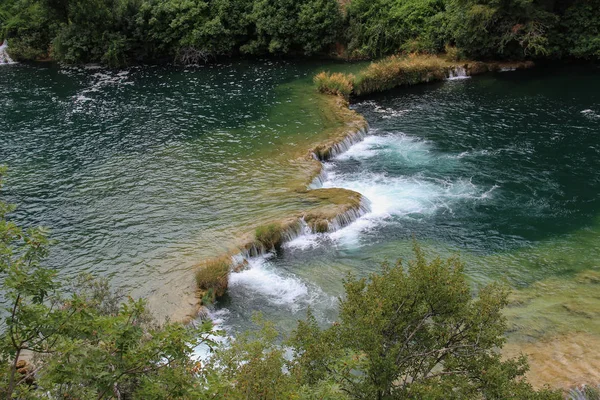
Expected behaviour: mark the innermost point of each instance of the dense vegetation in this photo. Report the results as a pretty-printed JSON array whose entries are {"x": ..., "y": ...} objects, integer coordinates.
[
  {"x": 123, "y": 31},
  {"x": 413, "y": 331}
]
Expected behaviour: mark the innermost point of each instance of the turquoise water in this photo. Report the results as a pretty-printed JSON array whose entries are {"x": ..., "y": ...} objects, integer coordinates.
[
  {"x": 142, "y": 173},
  {"x": 502, "y": 169}
]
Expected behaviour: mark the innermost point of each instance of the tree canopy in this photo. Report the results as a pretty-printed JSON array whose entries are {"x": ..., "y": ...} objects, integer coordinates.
[{"x": 117, "y": 32}]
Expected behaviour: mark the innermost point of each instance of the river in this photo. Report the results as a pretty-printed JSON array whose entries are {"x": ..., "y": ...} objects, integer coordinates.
[{"x": 141, "y": 173}]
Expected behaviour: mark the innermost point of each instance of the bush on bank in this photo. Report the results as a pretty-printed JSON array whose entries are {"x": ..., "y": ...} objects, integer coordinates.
[
  {"x": 338, "y": 84},
  {"x": 116, "y": 32}
]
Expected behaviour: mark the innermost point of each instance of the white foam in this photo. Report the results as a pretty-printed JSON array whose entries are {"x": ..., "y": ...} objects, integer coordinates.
[
  {"x": 4, "y": 57},
  {"x": 411, "y": 150},
  {"x": 389, "y": 112},
  {"x": 305, "y": 242},
  {"x": 457, "y": 73},
  {"x": 262, "y": 278},
  {"x": 395, "y": 196}
]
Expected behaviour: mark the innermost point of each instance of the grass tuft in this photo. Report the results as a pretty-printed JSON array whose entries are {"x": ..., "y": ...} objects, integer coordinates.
[
  {"x": 400, "y": 71},
  {"x": 212, "y": 279},
  {"x": 336, "y": 83},
  {"x": 270, "y": 236}
]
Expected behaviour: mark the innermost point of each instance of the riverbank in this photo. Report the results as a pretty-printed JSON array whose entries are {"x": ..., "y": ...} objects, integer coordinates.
[{"x": 396, "y": 71}]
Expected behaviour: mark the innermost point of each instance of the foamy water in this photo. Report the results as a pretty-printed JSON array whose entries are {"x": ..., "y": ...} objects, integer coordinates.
[
  {"x": 4, "y": 57},
  {"x": 261, "y": 278},
  {"x": 392, "y": 196}
]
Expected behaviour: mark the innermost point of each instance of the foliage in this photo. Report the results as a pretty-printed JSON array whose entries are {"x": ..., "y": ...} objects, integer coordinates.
[
  {"x": 30, "y": 27},
  {"x": 254, "y": 365},
  {"x": 578, "y": 32},
  {"x": 499, "y": 29},
  {"x": 381, "y": 27},
  {"x": 288, "y": 26},
  {"x": 117, "y": 32},
  {"x": 414, "y": 331}
]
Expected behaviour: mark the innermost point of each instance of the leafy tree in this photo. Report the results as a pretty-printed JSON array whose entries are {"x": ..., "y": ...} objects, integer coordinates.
[
  {"x": 499, "y": 28},
  {"x": 381, "y": 27},
  {"x": 578, "y": 32},
  {"x": 414, "y": 331},
  {"x": 289, "y": 26},
  {"x": 29, "y": 26}
]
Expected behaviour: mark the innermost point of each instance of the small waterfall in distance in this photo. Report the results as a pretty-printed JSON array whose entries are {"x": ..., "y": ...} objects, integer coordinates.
[
  {"x": 4, "y": 57},
  {"x": 457, "y": 73}
]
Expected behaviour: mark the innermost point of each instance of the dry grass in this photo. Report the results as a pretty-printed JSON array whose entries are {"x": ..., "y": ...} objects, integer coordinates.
[
  {"x": 336, "y": 83},
  {"x": 397, "y": 71}
]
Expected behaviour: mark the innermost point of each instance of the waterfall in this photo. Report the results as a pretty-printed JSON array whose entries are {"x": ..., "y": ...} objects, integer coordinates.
[
  {"x": 4, "y": 57},
  {"x": 457, "y": 73},
  {"x": 334, "y": 149}
]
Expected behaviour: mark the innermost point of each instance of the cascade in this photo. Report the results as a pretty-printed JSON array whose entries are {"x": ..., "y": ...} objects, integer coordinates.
[
  {"x": 4, "y": 57},
  {"x": 457, "y": 73}
]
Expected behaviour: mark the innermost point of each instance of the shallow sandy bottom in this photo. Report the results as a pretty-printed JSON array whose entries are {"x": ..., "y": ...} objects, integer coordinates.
[{"x": 563, "y": 361}]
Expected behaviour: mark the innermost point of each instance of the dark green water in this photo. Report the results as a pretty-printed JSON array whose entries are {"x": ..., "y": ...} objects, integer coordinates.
[{"x": 503, "y": 169}]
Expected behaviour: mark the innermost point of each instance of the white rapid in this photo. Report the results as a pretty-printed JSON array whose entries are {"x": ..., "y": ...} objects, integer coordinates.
[
  {"x": 393, "y": 196},
  {"x": 262, "y": 279},
  {"x": 4, "y": 57},
  {"x": 457, "y": 73}
]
